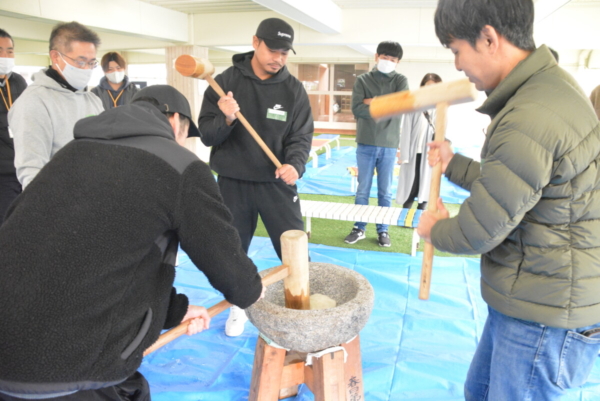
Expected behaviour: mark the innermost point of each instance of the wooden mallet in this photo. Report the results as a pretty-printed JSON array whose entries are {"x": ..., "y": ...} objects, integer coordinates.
[
  {"x": 294, "y": 272},
  {"x": 441, "y": 96},
  {"x": 278, "y": 273},
  {"x": 195, "y": 67}
]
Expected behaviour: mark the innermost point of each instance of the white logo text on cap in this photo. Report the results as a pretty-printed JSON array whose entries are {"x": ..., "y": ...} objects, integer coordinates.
[{"x": 284, "y": 34}]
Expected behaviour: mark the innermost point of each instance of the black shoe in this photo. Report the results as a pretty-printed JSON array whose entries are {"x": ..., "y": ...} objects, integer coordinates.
[
  {"x": 355, "y": 235},
  {"x": 384, "y": 239}
]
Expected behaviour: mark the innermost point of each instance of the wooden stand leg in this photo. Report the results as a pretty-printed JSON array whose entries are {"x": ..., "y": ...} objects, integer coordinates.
[
  {"x": 353, "y": 371},
  {"x": 266, "y": 372},
  {"x": 293, "y": 374},
  {"x": 328, "y": 377}
]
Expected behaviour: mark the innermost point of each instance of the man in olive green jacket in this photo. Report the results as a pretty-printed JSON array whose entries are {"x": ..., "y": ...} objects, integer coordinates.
[{"x": 534, "y": 209}]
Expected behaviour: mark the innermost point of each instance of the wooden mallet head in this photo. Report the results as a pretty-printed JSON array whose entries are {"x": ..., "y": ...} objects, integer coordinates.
[
  {"x": 427, "y": 97},
  {"x": 195, "y": 67}
]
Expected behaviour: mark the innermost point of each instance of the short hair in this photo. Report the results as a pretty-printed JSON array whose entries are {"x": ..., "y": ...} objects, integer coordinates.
[
  {"x": 4, "y": 34},
  {"x": 65, "y": 33},
  {"x": 554, "y": 54},
  {"x": 392, "y": 49},
  {"x": 112, "y": 56},
  {"x": 431, "y": 77},
  {"x": 464, "y": 19}
]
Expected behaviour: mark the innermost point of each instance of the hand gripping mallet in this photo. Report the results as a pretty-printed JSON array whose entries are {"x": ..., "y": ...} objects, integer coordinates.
[
  {"x": 278, "y": 273},
  {"x": 190, "y": 66},
  {"x": 441, "y": 96}
]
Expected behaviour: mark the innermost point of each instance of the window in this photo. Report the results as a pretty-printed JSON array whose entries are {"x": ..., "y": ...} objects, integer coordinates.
[{"x": 329, "y": 88}]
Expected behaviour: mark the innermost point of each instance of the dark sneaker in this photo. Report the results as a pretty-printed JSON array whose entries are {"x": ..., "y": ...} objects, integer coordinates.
[
  {"x": 384, "y": 239},
  {"x": 355, "y": 235}
]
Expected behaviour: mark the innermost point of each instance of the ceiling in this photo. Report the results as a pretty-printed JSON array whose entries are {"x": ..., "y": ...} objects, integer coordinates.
[
  {"x": 222, "y": 6},
  {"x": 346, "y": 32}
]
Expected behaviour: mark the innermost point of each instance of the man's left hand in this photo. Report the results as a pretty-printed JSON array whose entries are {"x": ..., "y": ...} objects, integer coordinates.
[
  {"x": 287, "y": 173},
  {"x": 428, "y": 220}
]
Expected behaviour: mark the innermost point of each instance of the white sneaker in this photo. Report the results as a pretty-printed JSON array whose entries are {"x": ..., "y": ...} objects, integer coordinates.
[{"x": 235, "y": 322}]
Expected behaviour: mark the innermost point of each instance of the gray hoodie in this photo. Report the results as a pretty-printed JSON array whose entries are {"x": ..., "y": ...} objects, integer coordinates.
[{"x": 41, "y": 122}]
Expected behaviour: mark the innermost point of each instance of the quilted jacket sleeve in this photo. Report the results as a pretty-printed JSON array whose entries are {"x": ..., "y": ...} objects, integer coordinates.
[{"x": 516, "y": 169}]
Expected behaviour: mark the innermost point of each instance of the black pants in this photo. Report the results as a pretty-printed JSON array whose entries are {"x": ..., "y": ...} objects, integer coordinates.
[
  {"x": 276, "y": 202},
  {"x": 135, "y": 388},
  {"x": 414, "y": 192},
  {"x": 10, "y": 188}
]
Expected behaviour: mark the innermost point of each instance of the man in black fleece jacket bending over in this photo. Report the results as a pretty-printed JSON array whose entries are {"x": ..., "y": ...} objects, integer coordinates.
[{"x": 87, "y": 254}]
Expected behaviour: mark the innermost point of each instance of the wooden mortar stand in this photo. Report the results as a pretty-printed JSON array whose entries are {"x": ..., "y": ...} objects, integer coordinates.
[{"x": 277, "y": 373}]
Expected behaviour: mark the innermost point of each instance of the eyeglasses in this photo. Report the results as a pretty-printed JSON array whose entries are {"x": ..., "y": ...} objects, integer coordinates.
[{"x": 80, "y": 63}]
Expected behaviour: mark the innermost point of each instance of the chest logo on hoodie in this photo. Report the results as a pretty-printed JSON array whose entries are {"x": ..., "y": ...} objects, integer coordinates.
[{"x": 276, "y": 113}]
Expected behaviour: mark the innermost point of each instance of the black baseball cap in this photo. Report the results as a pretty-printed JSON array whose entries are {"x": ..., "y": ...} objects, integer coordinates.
[
  {"x": 276, "y": 33},
  {"x": 170, "y": 100}
]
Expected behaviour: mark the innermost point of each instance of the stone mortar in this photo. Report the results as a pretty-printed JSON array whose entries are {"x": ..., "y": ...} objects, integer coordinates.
[{"x": 315, "y": 330}]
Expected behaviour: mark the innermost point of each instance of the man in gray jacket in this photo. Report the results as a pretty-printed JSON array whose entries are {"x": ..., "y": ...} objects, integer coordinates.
[
  {"x": 377, "y": 142},
  {"x": 42, "y": 120},
  {"x": 533, "y": 212}
]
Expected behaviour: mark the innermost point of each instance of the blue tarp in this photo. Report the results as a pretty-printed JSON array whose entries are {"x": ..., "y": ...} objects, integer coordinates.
[
  {"x": 411, "y": 349},
  {"x": 332, "y": 178}
]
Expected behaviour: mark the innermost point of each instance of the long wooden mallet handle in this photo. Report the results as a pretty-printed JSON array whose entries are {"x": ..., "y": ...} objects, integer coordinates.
[
  {"x": 190, "y": 66},
  {"x": 278, "y": 273},
  {"x": 434, "y": 194}
]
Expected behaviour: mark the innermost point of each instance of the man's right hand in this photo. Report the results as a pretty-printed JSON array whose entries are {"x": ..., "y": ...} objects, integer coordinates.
[
  {"x": 198, "y": 318},
  {"x": 229, "y": 106},
  {"x": 440, "y": 151}
]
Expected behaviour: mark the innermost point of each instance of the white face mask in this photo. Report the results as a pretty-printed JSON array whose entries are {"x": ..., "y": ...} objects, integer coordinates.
[
  {"x": 76, "y": 77},
  {"x": 6, "y": 65},
  {"x": 386, "y": 66},
  {"x": 116, "y": 77}
]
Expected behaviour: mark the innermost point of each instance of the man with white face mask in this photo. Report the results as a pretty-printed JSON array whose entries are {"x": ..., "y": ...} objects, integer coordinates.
[
  {"x": 114, "y": 88},
  {"x": 11, "y": 87},
  {"x": 42, "y": 120},
  {"x": 377, "y": 142}
]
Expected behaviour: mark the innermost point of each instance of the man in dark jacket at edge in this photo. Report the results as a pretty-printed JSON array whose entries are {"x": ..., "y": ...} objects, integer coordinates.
[
  {"x": 88, "y": 252},
  {"x": 11, "y": 87},
  {"x": 276, "y": 105},
  {"x": 533, "y": 212}
]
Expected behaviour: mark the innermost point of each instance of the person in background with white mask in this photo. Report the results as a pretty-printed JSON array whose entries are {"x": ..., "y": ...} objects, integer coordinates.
[
  {"x": 42, "y": 120},
  {"x": 114, "y": 88},
  {"x": 11, "y": 87},
  {"x": 377, "y": 142}
]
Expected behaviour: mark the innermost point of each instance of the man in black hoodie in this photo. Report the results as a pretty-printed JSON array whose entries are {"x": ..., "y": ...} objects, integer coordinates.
[
  {"x": 88, "y": 250},
  {"x": 276, "y": 105}
]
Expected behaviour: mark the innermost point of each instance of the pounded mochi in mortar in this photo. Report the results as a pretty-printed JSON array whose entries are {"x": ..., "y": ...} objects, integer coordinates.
[{"x": 320, "y": 301}]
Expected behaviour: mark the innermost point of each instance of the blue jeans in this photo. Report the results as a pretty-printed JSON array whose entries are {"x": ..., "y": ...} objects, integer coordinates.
[
  {"x": 369, "y": 158},
  {"x": 519, "y": 360}
]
